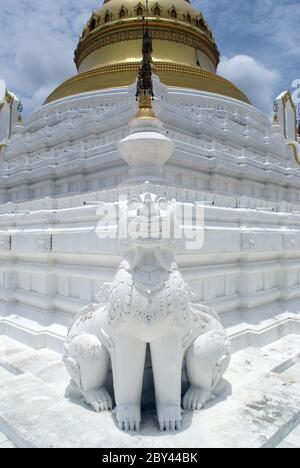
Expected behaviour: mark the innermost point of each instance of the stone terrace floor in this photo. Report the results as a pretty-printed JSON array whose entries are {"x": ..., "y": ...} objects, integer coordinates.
[
  {"x": 5, "y": 442},
  {"x": 264, "y": 382},
  {"x": 292, "y": 440}
]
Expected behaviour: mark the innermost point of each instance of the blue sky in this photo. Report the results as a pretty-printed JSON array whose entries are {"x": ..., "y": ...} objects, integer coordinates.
[
  {"x": 258, "y": 39},
  {"x": 259, "y": 43}
]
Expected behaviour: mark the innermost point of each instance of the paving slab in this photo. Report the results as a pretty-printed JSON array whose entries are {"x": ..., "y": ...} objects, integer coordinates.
[
  {"x": 260, "y": 409},
  {"x": 286, "y": 445}
]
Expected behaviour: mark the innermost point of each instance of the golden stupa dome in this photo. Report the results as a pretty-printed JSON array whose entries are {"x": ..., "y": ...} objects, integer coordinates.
[{"x": 109, "y": 50}]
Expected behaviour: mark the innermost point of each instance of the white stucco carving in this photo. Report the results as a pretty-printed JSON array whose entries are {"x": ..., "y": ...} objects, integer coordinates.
[
  {"x": 223, "y": 146},
  {"x": 148, "y": 302}
]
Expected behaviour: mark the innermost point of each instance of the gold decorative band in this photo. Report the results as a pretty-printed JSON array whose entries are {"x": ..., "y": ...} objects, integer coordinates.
[
  {"x": 123, "y": 74},
  {"x": 168, "y": 32}
]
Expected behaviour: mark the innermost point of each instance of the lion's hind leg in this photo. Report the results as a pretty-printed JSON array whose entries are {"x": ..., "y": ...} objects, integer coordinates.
[
  {"x": 87, "y": 362},
  {"x": 206, "y": 362}
]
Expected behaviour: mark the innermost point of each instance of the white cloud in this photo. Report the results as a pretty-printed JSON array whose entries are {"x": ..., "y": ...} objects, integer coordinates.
[
  {"x": 276, "y": 22},
  {"x": 37, "y": 41},
  {"x": 257, "y": 81}
]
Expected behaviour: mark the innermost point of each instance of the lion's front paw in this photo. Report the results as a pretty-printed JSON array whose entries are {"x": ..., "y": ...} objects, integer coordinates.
[
  {"x": 129, "y": 417},
  {"x": 169, "y": 417},
  {"x": 195, "y": 398},
  {"x": 99, "y": 399}
]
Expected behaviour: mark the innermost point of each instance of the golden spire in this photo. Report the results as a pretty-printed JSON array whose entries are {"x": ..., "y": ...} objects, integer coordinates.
[
  {"x": 275, "y": 110},
  {"x": 144, "y": 91},
  {"x": 20, "y": 110}
]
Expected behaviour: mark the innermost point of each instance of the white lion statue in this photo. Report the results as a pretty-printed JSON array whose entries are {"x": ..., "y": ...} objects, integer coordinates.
[{"x": 147, "y": 303}]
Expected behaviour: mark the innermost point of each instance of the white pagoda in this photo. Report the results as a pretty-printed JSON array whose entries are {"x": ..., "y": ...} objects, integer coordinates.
[{"x": 57, "y": 167}]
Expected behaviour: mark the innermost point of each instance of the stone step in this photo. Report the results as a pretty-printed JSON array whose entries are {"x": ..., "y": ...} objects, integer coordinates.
[
  {"x": 41, "y": 329},
  {"x": 262, "y": 407},
  {"x": 276, "y": 357},
  {"x": 44, "y": 364},
  {"x": 259, "y": 328},
  {"x": 34, "y": 327}
]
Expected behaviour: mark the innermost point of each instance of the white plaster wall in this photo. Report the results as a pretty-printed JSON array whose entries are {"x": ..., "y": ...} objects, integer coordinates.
[{"x": 52, "y": 263}]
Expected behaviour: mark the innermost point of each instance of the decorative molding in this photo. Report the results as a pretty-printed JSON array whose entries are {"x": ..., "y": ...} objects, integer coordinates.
[
  {"x": 44, "y": 243},
  {"x": 289, "y": 241},
  {"x": 157, "y": 9},
  {"x": 193, "y": 77},
  {"x": 33, "y": 243},
  {"x": 44, "y": 160},
  {"x": 248, "y": 241},
  {"x": 5, "y": 243},
  {"x": 136, "y": 34}
]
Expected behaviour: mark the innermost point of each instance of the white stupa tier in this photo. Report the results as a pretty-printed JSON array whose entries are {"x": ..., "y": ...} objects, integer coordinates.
[{"x": 227, "y": 154}]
